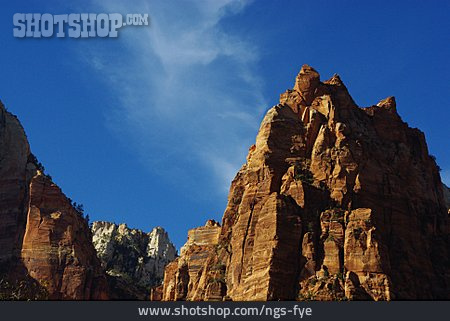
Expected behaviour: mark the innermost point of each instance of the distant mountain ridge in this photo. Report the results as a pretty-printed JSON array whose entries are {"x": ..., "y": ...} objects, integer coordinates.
[{"x": 134, "y": 260}]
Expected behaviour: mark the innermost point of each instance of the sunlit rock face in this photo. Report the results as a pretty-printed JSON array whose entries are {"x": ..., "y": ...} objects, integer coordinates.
[
  {"x": 335, "y": 202},
  {"x": 45, "y": 243},
  {"x": 197, "y": 274},
  {"x": 134, "y": 260},
  {"x": 57, "y": 249}
]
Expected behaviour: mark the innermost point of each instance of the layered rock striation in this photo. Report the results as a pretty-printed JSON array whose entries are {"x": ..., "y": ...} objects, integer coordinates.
[
  {"x": 134, "y": 260},
  {"x": 335, "y": 202},
  {"x": 44, "y": 241},
  {"x": 197, "y": 274}
]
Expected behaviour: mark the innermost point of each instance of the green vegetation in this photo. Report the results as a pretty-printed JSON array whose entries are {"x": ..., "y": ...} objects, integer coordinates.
[
  {"x": 308, "y": 296},
  {"x": 219, "y": 266},
  {"x": 302, "y": 172},
  {"x": 218, "y": 270},
  {"x": 218, "y": 279},
  {"x": 337, "y": 214},
  {"x": 27, "y": 289},
  {"x": 79, "y": 208},
  {"x": 33, "y": 159},
  {"x": 304, "y": 176},
  {"x": 340, "y": 276},
  {"x": 435, "y": 162}
]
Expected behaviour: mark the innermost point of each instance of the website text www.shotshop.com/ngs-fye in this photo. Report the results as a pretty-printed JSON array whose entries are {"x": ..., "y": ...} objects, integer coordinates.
[{"x": 224, "y": 312}]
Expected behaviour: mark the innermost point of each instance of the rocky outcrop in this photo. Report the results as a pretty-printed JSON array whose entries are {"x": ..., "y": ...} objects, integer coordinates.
[
  {"x": 134, "y": 260},
  {"x": 335, "y": 202},
  {"x": 57, "y": 249},
  {"x": 197, "y": 274},
  {"x": 44, "y": 240}
]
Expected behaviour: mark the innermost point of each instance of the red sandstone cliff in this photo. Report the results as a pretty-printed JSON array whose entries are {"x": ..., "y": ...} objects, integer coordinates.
[
  {"x": 335, "y": 202},
  {"x": 43, "y": 239},
  {"x": 197, "y": 274}
]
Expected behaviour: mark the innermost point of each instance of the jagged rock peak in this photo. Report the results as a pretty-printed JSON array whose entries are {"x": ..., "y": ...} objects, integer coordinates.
[
  {"x": 309, "y": 91},
  {"x": 335, "y": 202},
  {"x": 308, "y": 70},
  {"x": 212, "y": 223},
  {"x": 134, "y": 259},
  {"x": 124, "y": 227},
  {"x": 306, "y": 82},
  {"x": 388, "y": 103},
  {"x": 335, "y": 80}
]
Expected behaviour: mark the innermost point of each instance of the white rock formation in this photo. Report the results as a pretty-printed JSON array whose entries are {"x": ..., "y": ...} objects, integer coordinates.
[{"x": 136, "y": 257}]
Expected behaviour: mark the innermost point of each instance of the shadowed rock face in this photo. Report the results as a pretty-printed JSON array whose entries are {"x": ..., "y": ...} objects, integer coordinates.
[
  {"x": 43, "y": 239},
  {"x": 446, "y": 196},
  {"x": 15, "y": 176},
  {"x": 335, "y": 202},
  {"x": 134, "y": 260}
]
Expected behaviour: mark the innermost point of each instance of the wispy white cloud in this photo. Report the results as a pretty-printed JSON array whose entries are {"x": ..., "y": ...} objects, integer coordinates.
[{"x": 189, "y": 96}]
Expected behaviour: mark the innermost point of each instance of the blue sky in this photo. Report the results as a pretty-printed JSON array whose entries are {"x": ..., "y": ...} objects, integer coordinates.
[{"x": 149, "y": 128}]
